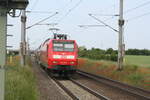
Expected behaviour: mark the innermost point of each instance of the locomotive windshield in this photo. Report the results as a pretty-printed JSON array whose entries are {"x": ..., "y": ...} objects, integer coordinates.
[{"x": 63, "y": 45}]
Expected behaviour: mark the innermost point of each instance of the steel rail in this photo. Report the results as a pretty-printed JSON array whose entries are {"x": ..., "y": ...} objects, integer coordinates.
[
  {"x": 60, "y": 85},
  {"x": 100, "y": 78},
  {"x": 66, "y": 90},
  {"x": 100, "y": 96}
]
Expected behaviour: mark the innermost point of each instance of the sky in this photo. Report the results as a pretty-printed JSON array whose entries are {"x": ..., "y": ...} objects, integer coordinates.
[{"x": 72, "y": 13}]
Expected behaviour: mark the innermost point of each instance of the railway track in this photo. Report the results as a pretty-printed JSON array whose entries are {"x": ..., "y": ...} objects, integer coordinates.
[
  {"x": 78, "y": 91},
  {"x": 138, "y": 93},
  {"x": 100, "y": 96},
  {"x": 75, "y": 90},
  {"x": 74, "y": 97}
]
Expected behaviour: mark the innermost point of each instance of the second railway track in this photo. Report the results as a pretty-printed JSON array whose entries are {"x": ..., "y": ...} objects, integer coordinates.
[{"x": 112, "y": 89}]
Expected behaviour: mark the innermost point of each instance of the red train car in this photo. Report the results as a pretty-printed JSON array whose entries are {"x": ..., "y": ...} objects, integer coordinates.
[{"x": 59, "y": 56}]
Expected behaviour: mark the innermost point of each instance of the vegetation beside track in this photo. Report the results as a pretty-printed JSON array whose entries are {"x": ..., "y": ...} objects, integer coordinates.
[
  {"x": 20, "y": 81},
  {"x": 131, "y": 74},
  {"x": 98, "y": 54}
]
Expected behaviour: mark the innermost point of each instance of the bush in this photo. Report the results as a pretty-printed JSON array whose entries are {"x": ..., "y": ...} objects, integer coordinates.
[
  {"x": 113, "y": 57},
  {"x": 136, "y": 79},
  {"x": 98, "y": 54}
]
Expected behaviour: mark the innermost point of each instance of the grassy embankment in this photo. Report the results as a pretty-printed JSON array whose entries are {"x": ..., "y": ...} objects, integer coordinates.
[
  {"x": 20, "y": 82},
  {"x": 132, "y": 74}
]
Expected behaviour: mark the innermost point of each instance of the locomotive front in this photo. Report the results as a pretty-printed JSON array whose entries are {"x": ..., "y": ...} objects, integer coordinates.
[{"x": 62, "y": 56}]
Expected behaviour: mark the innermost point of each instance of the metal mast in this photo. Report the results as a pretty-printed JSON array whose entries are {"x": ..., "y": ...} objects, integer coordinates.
[
  {"x": 23, "y": 38},
  {"x": 3, "y": 31},
  {"x": 120, "y": 41}
]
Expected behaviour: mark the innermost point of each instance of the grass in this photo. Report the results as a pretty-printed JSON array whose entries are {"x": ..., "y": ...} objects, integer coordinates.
[
  {"x": 132, "y": 74},
  {"x": 20, "y": 82},
  {"x": 143, "y": 61}
]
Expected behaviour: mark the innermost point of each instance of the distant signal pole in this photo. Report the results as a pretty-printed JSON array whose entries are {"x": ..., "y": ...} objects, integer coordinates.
[
  {"x": 120, "y": 41},
  {"x": 23, "y": 38}
]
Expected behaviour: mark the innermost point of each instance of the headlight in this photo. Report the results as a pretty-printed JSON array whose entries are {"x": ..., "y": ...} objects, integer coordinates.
[
  {"x": 56, "y": 56},
  {"x": 72, "y": 62},
  {"x": 70, "y": 57},
  {"x": 54, "y": 62}
]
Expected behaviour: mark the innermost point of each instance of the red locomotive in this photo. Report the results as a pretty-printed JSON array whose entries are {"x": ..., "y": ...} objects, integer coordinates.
[{"x": 59, "y": 55}]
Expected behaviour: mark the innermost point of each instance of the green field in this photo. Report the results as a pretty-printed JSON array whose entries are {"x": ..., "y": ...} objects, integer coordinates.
[{"x": 143, "y": 61}]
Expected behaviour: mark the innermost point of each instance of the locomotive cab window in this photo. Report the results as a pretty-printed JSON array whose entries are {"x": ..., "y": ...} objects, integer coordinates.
[{"x": 63, "y": 46}]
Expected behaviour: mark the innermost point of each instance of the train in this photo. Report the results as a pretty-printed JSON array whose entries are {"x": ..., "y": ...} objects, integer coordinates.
[{"x": 58, "y": 55}]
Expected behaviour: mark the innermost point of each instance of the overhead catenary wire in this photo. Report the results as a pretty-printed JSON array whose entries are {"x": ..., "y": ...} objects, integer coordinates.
[
  {"x": 127, "y": 11},
  {"x": 62, "y": 9},
  {"x": 110, "y": 16},
  {"x": 66, "y": 5},
  {"x": 106, "y": 14},
  {"x": 70, "y": 10},
  {"x": 38, "y": 41},
  {"x": 137, "y": 17},
  {"x": 103, "y": 23},
  {"x": 34, "y": 4},
  {"x": 87, "y": 26},
  {"x": 139, "y": 6},
  {"x": 134, "y": 17},
  {"x": 42, "y": 20}
]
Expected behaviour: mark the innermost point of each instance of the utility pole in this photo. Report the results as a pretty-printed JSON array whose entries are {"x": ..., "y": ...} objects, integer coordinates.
[
  {"x": 23, "y": 38},
  {"x": 120, "y": 40},
  {"x": 3, "y": 31}
]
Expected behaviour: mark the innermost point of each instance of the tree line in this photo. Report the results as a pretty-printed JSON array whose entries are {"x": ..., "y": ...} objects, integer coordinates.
[
  {"x": 144, "y": 52},
  {"x": 108, "y": 54},
  {"x": 98, "y": 54}
]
